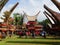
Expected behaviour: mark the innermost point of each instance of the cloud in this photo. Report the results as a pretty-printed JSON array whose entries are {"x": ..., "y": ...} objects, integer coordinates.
[
  {"x": 6, "y": 8},
  {"x": 58, "y": 0},
  {"x": 51, "y": 5},
  {"x": 32, "y": 2},
  {"x": 31, "y": 7}
]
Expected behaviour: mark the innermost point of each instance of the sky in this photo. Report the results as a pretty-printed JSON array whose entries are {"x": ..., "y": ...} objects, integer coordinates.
[{"x": 31, "y": 7}]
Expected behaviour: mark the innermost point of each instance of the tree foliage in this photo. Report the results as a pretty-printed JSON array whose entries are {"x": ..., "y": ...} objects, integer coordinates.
[
  {"x": 18, "y": 19},
  {"x": 44, "y": 22}
]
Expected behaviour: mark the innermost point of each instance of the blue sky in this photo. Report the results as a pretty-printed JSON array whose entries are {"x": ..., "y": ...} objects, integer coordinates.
[{"x": 31, "y": 7}]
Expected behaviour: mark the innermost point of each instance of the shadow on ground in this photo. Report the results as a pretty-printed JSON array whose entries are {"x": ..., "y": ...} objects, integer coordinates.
[
  {"x": 41, "y": 38},
  {"x": 35, "y": 42}
]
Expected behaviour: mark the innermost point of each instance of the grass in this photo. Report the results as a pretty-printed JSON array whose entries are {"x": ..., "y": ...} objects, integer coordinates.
[{"x": 29, "y": 41}]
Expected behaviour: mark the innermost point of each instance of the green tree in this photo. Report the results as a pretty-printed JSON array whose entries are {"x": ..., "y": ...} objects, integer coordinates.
[
  {"x": 18, "y": 19},
  {"x": 44, "y": 23}
]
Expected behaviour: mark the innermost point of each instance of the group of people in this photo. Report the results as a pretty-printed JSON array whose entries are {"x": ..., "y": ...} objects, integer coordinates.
[{"x": 31, "y": 33}]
